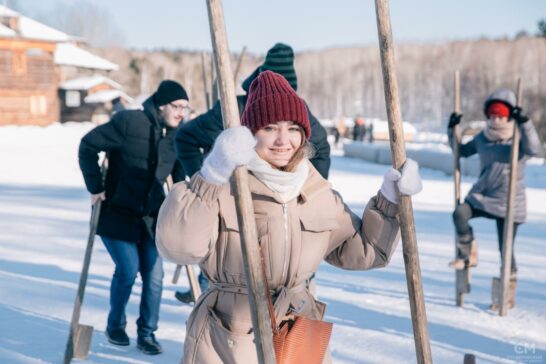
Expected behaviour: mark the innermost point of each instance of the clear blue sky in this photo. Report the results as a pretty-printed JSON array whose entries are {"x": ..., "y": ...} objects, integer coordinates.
[{"x": 315, "y": 24}]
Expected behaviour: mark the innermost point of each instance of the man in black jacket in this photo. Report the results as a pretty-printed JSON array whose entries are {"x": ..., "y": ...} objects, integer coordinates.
[
  {"x": 195, "y": 139},
  {"x": 140, "y": 149}
]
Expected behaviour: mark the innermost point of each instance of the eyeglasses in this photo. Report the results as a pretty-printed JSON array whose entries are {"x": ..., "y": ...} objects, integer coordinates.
[{"x": 179, "y": 107}]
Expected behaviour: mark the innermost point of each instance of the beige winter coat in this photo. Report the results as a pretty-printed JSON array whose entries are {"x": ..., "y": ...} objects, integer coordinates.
[{"x": 198, "y": 224}]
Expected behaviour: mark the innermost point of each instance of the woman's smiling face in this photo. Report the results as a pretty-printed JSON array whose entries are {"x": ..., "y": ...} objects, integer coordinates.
[{"x": 277, "y": 143}]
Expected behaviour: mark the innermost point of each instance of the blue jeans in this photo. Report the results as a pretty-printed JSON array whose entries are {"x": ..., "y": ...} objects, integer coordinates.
[
  {"x": 131, "y": 258},
  {"x": 203, "y": 281}
]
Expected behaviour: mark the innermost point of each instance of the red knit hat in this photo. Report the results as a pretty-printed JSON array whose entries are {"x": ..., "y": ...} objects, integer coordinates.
[
  {"x": 272, "y": 99},
  {"x": 498, "y": 108}
]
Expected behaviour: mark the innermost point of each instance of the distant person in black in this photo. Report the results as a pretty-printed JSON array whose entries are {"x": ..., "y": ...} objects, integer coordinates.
[
  {"x": 370, "y": 132},
  {"x": 359, "y": 129},
  {"x": 141, "y": 154}
]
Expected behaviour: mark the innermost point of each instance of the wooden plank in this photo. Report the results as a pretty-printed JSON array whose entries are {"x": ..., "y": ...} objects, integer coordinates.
[{"x": 407, "y": 224}]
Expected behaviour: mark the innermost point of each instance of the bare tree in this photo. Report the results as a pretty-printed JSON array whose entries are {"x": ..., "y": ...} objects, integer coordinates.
[{"x": 82, "y": 18}]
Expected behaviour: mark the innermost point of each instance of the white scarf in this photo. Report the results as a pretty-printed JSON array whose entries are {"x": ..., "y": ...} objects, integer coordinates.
[
  {"x": 287, "y": 184},
  {"x": 499, "y": 130}
]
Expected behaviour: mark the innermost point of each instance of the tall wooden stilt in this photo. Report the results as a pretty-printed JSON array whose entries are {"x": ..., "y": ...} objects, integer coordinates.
[
  {"x": 508, "y": 233},
  {"x": 407, "y": 225},
  {"x": 245, "y": 210}
]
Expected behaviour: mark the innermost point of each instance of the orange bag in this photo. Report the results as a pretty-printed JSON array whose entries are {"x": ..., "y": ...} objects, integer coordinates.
[
  {"x": 302, "y": 341},
  {"x": 298, "y": 341}
]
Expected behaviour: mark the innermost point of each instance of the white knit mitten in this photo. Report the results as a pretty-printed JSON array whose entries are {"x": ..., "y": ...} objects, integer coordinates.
[
  {"x": 408, "y": 182},
  {"x": 234, "y": 147}
]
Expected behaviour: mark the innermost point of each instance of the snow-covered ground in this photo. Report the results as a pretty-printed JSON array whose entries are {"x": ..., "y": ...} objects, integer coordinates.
[{"x": 44, "y": 212}]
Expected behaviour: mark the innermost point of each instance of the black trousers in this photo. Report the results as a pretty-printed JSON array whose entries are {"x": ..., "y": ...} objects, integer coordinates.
[{"x": 464, "y": 212}]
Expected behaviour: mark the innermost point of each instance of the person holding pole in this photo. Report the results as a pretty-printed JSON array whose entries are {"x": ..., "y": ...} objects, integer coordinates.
[
  {"x": 195, "y": 139},
  {"x": 201, "y": 132},
  {"x": 140, "y": 146},
  {"x": 488, "y": 196},
  {"x": 300, "y": 221}
]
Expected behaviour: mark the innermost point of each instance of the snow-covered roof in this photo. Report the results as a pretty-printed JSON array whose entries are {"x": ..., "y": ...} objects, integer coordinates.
[
  {"x": 85, "y": 83},
  {"x": 6, "y": 32},
  {"x": 29, "y": 28},
  {"x": 105, "y": 96},
  {"x": 5, "y": 11},
  {"x": 67, "y": 54}
]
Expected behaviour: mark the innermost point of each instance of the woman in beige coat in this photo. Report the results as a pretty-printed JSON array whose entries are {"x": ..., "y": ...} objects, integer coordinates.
[{"x": 300, "y": 221}]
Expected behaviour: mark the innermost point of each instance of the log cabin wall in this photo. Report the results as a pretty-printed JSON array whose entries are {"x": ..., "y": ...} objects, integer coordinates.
[{"x": 28, "y": 83}]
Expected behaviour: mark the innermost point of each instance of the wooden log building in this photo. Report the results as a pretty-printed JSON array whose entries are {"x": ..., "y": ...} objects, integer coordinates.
[{"x": 31, "y": 59}]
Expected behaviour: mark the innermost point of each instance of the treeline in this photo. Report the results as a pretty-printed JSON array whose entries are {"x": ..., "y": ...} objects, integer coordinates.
[{"x": 348, "y": 81}]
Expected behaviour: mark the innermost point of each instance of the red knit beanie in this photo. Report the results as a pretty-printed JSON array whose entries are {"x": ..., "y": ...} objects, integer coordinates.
[
  {"x": 498, "y": 108},
  {"x": 272, "y": 99}
]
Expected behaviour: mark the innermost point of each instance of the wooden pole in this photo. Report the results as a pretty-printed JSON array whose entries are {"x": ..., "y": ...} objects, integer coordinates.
[
  {"x": 407, "y": 225},
  {"x": 176, "y": 274},
  {"x": 77, "y": 344},
  {"x": 71, "y": 344},
  {"x": 239, "y": 64},
  {"x": 462, "y": 276},
  {"x": 508, "y": 233},
  {"x": 195, "y": 288},
  {"x": 457, "y": 139},
  {"x": 214, "y": 94},
  {"x": 205, "y": 83},
  {"x": 213, "y": 82},
  {"x": 245, "y": 211},
  {"x": 194, "y": 282}
]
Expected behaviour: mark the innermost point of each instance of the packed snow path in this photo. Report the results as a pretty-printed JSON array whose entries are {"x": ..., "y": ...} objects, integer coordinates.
[{"x": 44, "y": 212}]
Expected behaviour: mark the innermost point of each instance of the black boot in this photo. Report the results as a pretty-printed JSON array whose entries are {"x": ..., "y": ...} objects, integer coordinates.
[
  {"x": 184, "y": 297},
  {"x": 149, "y": 345},
  {"x": 187, "y": 297},
  {"x": 117, "y": 337}
]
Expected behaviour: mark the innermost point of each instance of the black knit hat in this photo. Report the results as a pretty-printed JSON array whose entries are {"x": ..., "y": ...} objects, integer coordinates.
[
  {"x": 169, "y": 91},
  {"x": 279, "y": 59}
]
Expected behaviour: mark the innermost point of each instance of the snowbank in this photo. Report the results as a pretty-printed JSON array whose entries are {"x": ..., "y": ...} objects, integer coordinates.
[{"x": 431, "y": 155}]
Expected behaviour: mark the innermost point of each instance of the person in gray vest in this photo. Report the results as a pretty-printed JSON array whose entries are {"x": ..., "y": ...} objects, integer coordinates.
[{"x": 489, "y": 195}]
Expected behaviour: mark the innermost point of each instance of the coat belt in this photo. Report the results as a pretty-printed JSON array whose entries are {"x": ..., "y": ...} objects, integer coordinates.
[{"x": 285, "y": 300}]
